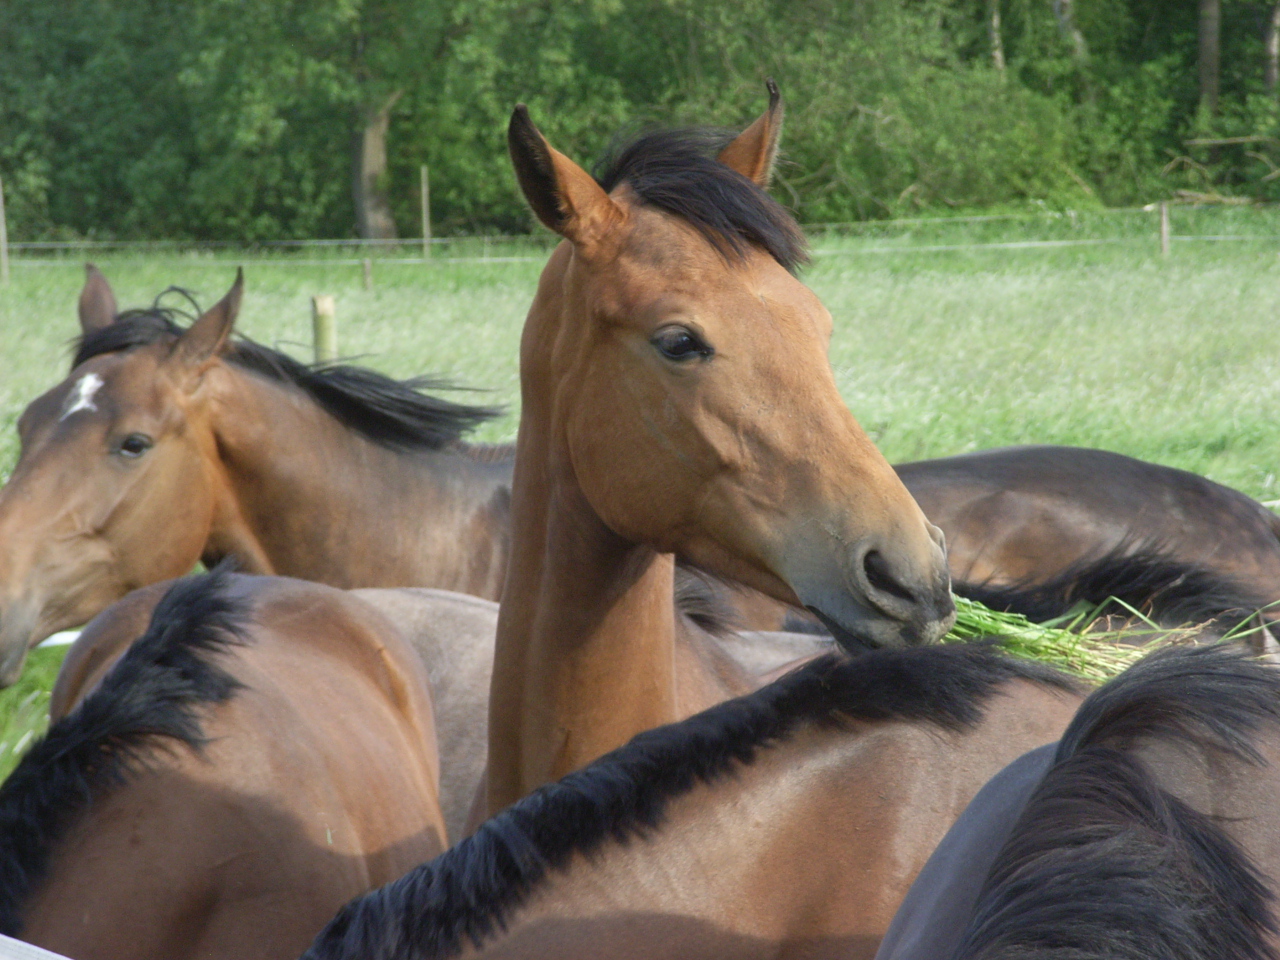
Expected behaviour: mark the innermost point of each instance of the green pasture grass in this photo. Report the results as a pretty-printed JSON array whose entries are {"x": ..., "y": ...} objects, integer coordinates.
[
  {"x": 24, "y": 707},
  {"x": 936, "y": 352}
]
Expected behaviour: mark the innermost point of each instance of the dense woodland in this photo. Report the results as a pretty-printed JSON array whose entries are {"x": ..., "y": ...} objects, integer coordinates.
[{"x": 271, "y": 119}]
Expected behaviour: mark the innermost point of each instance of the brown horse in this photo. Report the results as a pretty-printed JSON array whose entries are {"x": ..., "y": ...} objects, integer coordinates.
[
  {"x": 785, "y": 824},
  {"x": 453, "y": 636},
  {"x": 677, "y": 399},
  {"x": 264, "y": 752},
  {"x": 165, "y": 447},
  {"x": 1150, "y": 831},
  {"x": 1038, "y": 529}
]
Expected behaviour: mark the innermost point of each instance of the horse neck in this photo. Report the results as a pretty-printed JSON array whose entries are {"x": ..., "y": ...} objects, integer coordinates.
[
  {"x": 586, "y": 640},
  {"x": 808, "y": 848},
  {"x": 799, "y": 848},
  {"x": 304, "y": 496}
]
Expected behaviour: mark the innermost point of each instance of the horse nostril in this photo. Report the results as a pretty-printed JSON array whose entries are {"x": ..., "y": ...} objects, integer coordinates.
[{"x": 881, "y": 578}]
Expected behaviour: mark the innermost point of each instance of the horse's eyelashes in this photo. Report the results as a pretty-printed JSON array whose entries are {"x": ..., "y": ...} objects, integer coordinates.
[
  {"x": 680, "y": 343},
  {"x": 135, "y": 445}
]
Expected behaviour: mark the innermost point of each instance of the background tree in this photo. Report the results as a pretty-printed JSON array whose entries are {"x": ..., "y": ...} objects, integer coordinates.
[{"x": 272, "y": 119}]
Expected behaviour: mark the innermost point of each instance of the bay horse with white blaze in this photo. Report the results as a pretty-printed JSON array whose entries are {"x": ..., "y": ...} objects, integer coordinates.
[{"x": 167, "y": 446}]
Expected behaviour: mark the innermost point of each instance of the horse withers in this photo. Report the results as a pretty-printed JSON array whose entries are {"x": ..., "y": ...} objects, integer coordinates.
[
  {"x": 785, "y": 824},
  {"x": 263, "y": 752}
]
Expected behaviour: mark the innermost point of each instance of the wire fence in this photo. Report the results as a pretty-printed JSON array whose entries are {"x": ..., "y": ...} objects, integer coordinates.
[{"x": 1047, "y": 229}]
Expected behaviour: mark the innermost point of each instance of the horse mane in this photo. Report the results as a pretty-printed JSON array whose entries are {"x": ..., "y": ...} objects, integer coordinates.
[
  {"x": 1103, "y": 864},
  {"x": 468, "y": 893},
  {"x": 677, "y": 171},
  {"x": 151, "y": 695},
  {"x": 703, "y": 598},
  {"x": 392, "y": 413},
  {"x": 1146, "y": 577}
]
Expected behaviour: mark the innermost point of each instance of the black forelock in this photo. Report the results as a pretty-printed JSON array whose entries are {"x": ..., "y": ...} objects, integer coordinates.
[
  {"x": 1104, "y": 864},
  {"x": 1146, "y": 577},
  {"x": 150, "y": 700},
  {"x": 393, "y": 413},
  {"x": 468, "y": 894},
  {"x": 677, "y": 172}
]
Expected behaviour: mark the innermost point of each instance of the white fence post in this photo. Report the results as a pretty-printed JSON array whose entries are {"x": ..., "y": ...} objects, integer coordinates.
[{"x": 324, "y": 328}]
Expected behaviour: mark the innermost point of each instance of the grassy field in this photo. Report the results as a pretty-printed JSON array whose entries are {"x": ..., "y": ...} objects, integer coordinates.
[{"x": 937, "y": 350}]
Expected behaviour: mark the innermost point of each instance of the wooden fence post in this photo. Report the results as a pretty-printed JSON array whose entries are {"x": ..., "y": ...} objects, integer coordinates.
[
  {"x": 324, "y": 329},
  {"x": 368, "y": 274},
  {"x": 426, "y": 214},
  {"x": 1164, "y": 229},
  {"x": 4, "y": 240}
]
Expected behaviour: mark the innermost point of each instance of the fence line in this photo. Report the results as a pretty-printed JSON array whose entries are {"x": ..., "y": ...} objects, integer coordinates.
[{"x": 817, "y": 252}]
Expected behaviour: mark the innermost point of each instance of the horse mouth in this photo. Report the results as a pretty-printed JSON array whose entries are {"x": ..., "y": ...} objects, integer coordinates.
[
  {"x": 851, "y": 642},
  {"x": 901, "y": 635}
]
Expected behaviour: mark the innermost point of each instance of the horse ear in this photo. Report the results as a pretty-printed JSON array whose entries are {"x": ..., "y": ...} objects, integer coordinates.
[
  {"x": 754, "y": 150},
  {"x": 204, "y": 338},
  {"x": 564, "y": 196},
  {"x": 97, "y": 302}
]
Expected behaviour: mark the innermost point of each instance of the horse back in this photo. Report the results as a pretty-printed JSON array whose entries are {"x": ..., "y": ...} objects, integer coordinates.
[
  {"x": 318, "y": 782},
  {"x": 1030, "y": 512}
]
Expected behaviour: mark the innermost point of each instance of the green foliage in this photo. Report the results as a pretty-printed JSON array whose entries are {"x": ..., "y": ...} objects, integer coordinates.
[
  {"x": 24, "y": 707},
  {"x": 213, "y": 119}
]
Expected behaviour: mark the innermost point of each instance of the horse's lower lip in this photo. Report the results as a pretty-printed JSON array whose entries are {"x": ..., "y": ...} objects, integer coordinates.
[{"x": 853, "y": 643}]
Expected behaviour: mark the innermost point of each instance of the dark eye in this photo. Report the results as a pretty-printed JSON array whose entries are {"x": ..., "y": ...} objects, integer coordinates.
[
  {"x": 135, "y": 445},
  {"x": 681, "y": 343}
]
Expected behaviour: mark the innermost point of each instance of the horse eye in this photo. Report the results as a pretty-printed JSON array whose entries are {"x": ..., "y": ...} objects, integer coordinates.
[
  {"x": 135, "y": 445},
  {"x": 681, "y": 343}
]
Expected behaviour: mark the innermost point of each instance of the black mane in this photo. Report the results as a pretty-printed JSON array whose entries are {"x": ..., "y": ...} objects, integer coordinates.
[
  {"x": 1146, "y": 577},
  {"x": 1103, "y": 864},
  {"x": 677, "y": 171},
  {"x": 153, "y": 693},
  {"x": 468, "y": 893},
  {"x": 392, "y": 413}
]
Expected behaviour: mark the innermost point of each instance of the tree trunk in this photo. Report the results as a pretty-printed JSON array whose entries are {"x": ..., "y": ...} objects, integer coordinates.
[
  {"x": 1210, "y": 53},
  {"x": 373, "y": 213},
  {"x": 993, "y": 30},
  {"x": 1064, "y": 11},
  {"x": 1271, "y": 41}
]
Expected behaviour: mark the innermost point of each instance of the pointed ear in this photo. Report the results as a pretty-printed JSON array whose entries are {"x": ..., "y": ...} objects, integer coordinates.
[
  {"x": 202, "y": 341},
  {"x": 564, "y": 196},
  {"x": 753, "y": 151},
  {"x": 97, "y": 302}
]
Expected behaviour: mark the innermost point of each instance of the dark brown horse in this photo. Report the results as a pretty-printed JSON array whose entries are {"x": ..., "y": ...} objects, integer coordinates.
[
  {"x": 261, "y": 754},
  {"x": 1039, "y": 529},
  {"x": 785, "y": 824},
  {"x": 1150, "y": 830}
]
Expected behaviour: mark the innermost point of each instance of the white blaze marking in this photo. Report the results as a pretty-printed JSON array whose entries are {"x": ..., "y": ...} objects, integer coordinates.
[{"x": 81, "y": 397}]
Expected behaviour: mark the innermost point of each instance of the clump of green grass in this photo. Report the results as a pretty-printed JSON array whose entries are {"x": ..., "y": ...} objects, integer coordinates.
[
  {"x": 1074, "y": 643},
  {"x": 24, "y": 707}
]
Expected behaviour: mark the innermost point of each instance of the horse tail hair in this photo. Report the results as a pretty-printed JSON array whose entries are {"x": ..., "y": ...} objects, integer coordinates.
[
  {"x": 151, "y": 695},
  {"x": 1105, "y": 864},
  {"x": 1169, "y": 591}
]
